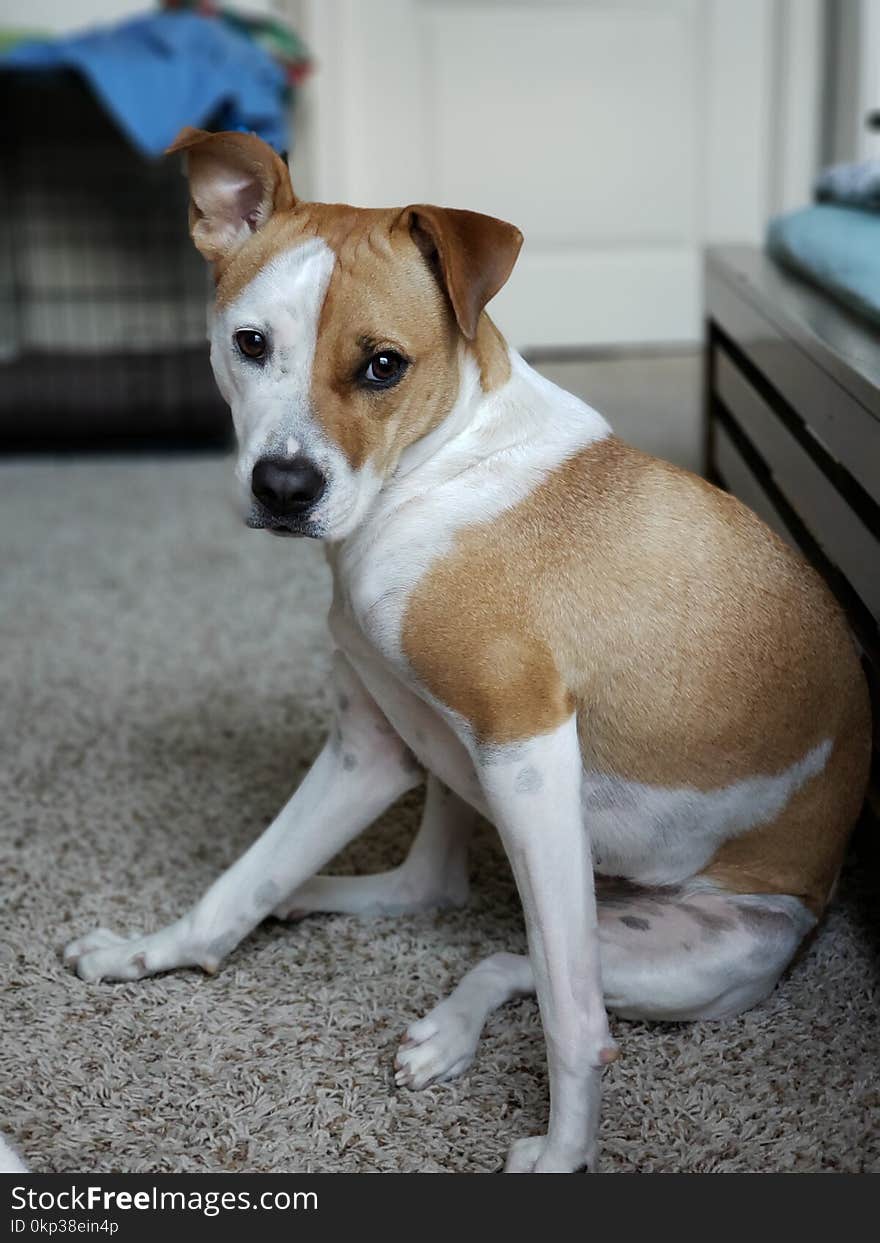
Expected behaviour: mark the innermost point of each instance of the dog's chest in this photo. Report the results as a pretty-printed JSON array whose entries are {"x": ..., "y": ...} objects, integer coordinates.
[
  {"x": 421, "y": 726},
  {"x": 374, "y": 575}
]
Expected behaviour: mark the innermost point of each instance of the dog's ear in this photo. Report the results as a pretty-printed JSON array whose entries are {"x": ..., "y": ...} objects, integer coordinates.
[
  {"x": 473, "y": 256},
  {"x": 236, "y": 183}
]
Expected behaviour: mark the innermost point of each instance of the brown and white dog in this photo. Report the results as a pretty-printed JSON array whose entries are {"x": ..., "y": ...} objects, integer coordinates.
[{"x": 656, "y": 702}]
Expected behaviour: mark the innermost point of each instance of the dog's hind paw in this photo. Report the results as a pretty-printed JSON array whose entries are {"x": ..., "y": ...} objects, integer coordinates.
[{"x": 436, "y": 1048}]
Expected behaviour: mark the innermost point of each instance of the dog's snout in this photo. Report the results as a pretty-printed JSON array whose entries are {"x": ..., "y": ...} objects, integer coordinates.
[{"x": 287, "y": 485}]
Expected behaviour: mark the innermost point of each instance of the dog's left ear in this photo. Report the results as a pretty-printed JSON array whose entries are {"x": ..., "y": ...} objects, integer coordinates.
[
  {"x": 236, "y": 183},
  {"x": 473, "y": 255}
]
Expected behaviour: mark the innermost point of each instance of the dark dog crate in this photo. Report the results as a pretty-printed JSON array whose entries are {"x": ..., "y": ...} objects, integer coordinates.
[{"x": 103, "y": 299}]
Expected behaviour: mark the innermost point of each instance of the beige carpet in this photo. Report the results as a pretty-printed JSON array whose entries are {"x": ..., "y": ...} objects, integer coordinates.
[{"x": 163, "y": 688}]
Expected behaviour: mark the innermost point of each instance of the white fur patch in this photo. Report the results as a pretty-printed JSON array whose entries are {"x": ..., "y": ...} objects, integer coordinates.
[
  {"x": 271, "y": 399},
  {"x": 10, "y": 1161},
  {"x": 656, "y": 835}
]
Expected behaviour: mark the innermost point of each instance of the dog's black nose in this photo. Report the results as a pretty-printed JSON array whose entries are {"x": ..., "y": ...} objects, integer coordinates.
[{"x": 286, "y": 485}]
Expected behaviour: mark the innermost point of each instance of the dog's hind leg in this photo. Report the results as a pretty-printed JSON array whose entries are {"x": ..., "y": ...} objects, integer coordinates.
[
  {"x": 695, "y": 951},
  {"x": 443, "y": 1043},
  {"x": 362, "y": 769},
  {"x": 434, "y": 873},
  {"x": 667, "y": 954}
]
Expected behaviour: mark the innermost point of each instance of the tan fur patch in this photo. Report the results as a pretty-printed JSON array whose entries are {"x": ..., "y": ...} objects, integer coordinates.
[
  {"x": 492, "y": 356},
  {"x": 801, "y": 851},
  {"x": 697, "y": 648},
  {"x": 382, "y": 295}
]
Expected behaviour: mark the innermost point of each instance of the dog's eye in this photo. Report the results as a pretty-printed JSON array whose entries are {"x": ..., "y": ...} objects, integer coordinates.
[
  {"x": 251, "y": 343},
  {"x": 385, "y": 369}
]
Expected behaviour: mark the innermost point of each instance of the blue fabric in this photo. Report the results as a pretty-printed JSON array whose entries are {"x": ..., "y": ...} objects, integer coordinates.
[
  {"x": 158, "y": 73},
  {"x": 837, "y": 248},
  {"x": 855, "y": 185}
]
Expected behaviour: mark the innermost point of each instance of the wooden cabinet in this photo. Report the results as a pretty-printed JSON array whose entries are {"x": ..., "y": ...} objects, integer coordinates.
[{"x": 793, "y": 428}]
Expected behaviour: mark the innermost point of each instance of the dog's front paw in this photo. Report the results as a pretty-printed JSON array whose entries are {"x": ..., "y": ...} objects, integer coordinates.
[
  {"x": 535, "y": 1156},
  {"x": 100, "y": 955},
  {"x": 103, "y": 955}
]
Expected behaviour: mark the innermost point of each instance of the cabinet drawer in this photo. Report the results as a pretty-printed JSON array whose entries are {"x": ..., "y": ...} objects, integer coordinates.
[
  {"x": 824, "y": 511},
  {"x": 844, "y": 416},
  {"x": 737, "y": 477}
]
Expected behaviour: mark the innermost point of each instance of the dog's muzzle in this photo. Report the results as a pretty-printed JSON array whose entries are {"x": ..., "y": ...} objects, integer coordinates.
[{"x": 286, "y": 490}]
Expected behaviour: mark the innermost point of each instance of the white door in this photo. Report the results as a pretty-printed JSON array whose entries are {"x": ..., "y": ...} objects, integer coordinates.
[{"x": 619, "y": 135}]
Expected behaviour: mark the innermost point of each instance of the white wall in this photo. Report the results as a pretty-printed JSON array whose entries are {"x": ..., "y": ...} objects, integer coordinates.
[
  {"x": 64, "y": 15},
  {"x": 869, "y": 77},
  {"x": 67, "y": 15},
  {"x": 796, "y": 116},
  {"x": 853, "y": 79}
]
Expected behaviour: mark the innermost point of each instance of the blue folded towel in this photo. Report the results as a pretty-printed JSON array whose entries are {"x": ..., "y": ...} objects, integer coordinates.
[
  {"x": 158, "y": 73},
  {"x": 853, "y": 185},
  {"x": 835, "y": 247}
]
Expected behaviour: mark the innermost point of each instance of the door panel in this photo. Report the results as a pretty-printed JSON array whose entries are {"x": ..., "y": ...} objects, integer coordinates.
[
  {"x": 620, "y": 135},
  {"x": 567, "y": 154}
]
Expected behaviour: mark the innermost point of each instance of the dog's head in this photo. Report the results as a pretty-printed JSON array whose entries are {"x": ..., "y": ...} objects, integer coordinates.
[{"x": 338, "y": 333}]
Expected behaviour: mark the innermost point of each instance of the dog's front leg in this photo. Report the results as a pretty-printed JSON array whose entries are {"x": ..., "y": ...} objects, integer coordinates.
[
  {"x": 533, "y": 791},
  {"x": 362, "y": 769}
]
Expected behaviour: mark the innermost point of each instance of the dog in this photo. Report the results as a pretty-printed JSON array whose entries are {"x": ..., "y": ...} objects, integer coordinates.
[
  {"x": 10, "y": 1161},
  {"x": 654, "y": 699}
]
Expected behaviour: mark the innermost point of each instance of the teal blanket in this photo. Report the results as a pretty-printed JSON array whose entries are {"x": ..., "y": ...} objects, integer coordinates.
[{"x": 837, "y": 248}]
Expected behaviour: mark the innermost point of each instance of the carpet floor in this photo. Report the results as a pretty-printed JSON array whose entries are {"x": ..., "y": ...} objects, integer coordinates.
[{"x": 164, "y": 685}]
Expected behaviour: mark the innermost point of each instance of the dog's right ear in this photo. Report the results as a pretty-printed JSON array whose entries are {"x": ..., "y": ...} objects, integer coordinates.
[{"x": 236, "y": 184}]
